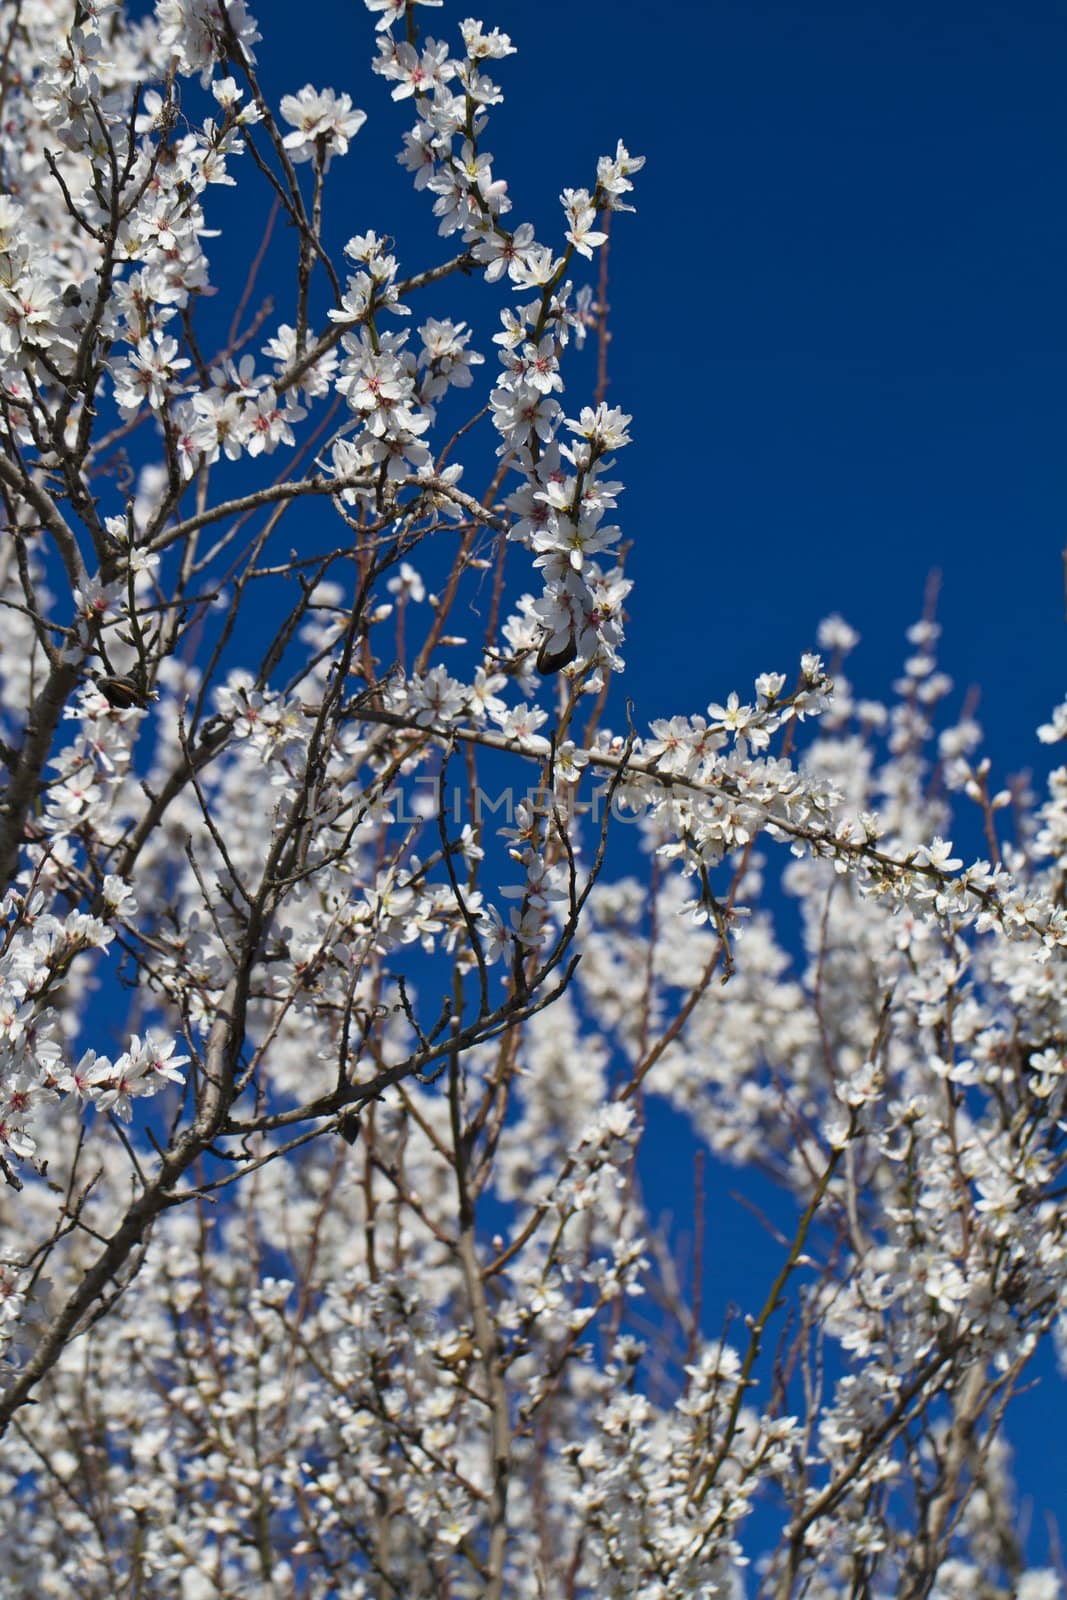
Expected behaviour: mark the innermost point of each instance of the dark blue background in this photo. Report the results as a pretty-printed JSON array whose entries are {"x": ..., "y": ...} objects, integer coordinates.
[
  {"x": 838, "y": 316},
  {"x": 838, "y": 323}
]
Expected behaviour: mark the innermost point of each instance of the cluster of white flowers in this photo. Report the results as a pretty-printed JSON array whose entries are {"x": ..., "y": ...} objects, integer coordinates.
[
  {"x": 329, "y": 1040},
  {"x": 558, "y": 510}
]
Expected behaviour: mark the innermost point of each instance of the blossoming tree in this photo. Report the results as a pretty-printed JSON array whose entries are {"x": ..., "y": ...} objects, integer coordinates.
[{"x": 323, "y": 1084}]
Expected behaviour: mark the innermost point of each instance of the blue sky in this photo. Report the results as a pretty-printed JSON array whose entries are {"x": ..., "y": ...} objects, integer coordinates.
[
  {"x": 838, "y": 314},
  {"x": 838, "y": 322}
]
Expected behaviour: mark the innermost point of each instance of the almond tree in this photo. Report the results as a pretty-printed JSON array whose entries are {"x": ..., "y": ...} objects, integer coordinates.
[{"x": 329, "y": 1024}]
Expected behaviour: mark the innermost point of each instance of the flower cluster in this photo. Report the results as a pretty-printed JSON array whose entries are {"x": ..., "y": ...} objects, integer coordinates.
[
  {"x": 331, "y": 1037},
  {"x": 558, "y": 511}
]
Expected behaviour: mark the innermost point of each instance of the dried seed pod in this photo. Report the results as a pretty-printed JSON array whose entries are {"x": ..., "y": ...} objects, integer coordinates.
[{"x": 555, "y": 660}]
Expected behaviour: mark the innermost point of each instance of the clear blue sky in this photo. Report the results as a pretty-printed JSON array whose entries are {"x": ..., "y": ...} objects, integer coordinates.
[
  {"x": 838, "y": 322},
  {"x": 839, "y": 317}
]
